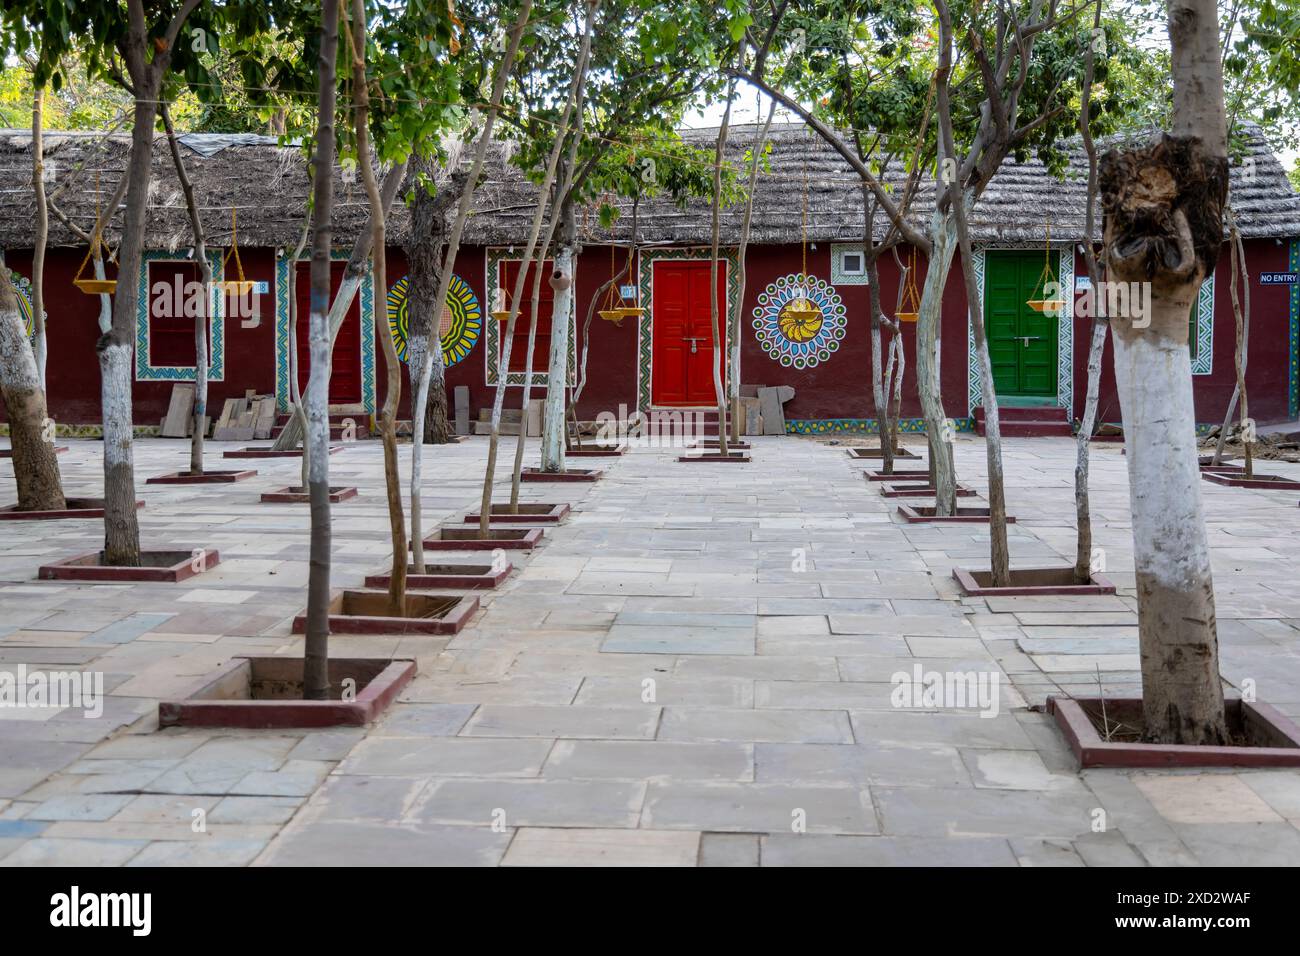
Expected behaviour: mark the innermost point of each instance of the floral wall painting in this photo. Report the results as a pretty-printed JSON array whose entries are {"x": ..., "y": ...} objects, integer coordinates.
[
  {"x": 799, "y": 321},
  {"x": 459, "y": 329}
]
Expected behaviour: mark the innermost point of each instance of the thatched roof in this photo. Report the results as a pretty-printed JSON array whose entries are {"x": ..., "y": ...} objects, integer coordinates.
[{"x": 268, "y": 184}]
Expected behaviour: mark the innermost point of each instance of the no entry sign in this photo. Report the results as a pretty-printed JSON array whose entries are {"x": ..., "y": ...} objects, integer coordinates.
[{"x": 1279, "y": 278}]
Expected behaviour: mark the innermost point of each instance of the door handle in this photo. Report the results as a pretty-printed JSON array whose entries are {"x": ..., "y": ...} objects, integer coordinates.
[
  {"x": 693, "y": 340},
  {"x": 1026, "y": 339}
]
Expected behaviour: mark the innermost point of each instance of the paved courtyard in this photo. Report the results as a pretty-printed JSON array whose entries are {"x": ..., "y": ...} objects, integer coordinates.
[{"x": 694, "y": 668}]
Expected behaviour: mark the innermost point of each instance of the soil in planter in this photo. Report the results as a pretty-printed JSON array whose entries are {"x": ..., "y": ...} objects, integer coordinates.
[
  {"x": 880, "y": 453},
  {"x": 282, "y": 680},
  {"x": 1238, "y": 479},
  {"x": 375, "y": 604},
  {"x": 73, "y": 508},
  {"x": 297, "y": 494},
  {"x": 963, "y": 513},
  {"x": 1031, "y": 578},
  {"x": 1122, "y": 724},
  {"x": 472, "y": 576}
]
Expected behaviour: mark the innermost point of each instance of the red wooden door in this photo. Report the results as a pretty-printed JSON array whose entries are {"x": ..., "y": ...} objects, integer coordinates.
[
  {"x": 683, "y": 333},
  {"x": 345, "y": 369},
  {"x": 506, "y": 276}
]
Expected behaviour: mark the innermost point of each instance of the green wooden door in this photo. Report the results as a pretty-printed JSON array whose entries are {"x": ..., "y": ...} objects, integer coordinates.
[{"x": 1022, "y": 341}]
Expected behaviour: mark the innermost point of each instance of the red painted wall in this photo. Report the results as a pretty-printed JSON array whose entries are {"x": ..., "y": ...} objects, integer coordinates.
[
  {"x": 1267, "y": 357},
  {"x": 837, "y": 388}
]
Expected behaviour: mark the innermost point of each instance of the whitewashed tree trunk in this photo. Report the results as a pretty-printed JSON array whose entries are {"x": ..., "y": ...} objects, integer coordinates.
[
  {"x": 1164, "y": 224},
  {"x": 943, "y": 238},
  {"x": 558, "y": 366},
  {"x": 36, "y": 466},
  {"x": 42, "y": 231},
  {"x": 315, "y": 665}
]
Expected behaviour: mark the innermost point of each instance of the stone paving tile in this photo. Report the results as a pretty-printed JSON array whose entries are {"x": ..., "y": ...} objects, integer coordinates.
[
  {"x": 495, "y": 720},
  {"x": 763, "y": 808},
  {"x": 814, "y": 850},
  {"x": 729, "y": 849},
  {"x": 540, "y": 846},
  {"x": 767, "y": 683},
  {"x": 447, "y": 756},
  {"x": 772, "y": 726},
  {"x": 649, "y": 760},
  {"x": 215, "y": 852},
  {"x": 45, "y": 851},
  {"x": 935, "y": 812},
  {"x": 630, "y": 639},
  {"x": 666, "y": 689},
  {"x": 337, "y": 843},
  {"x": 874, "y": 764},
  {"x": 1205, "y": 798},
  {"x": 910, "y": 727},
  {"x": 540, "y": 803}
]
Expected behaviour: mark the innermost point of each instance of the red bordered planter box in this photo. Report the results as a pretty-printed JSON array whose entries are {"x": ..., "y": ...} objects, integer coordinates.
[{"x": 266, "y": 692}]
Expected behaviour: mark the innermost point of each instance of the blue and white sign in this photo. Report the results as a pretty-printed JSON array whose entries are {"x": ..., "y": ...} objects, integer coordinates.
[{"x": 1279, "y": 278}]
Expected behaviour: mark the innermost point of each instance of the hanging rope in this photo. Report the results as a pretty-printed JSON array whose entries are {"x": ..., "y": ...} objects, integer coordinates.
[{"x": 95, "y": 286}]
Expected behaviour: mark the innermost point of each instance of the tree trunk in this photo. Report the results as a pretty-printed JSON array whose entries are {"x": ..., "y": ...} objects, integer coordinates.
[
  {"x": 1082, "y": 505},
  {"x": 943, "y": 232},
  {"x": 36, "y": 466},
  {"x": 553, "y": 425},
  {"x": 879, "y": 397},
  {"x": 449, "y": 259},
  {"x": 733, "y": 363},
  {"x": 498, "y": 400},
  {"x": 316, "y": 683},
  {"x": 353, "y": 275},
  {"x": 999, "y": 550},
  {"x": 202, "y": 320},
  {"x": 558, "y": 279},
  {"x": 42, "y": 232},
  {"x": 714, "y": 319},
  {"x": 121, "y": 528},
  {"x": 1164, "y": 225},
  {"x": 393, "y": 371}
]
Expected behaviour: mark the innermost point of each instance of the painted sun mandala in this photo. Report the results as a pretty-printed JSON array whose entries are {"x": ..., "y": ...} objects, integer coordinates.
[
  {"x": 799, "y": 320},
  {"x": 461, "y": 325}
]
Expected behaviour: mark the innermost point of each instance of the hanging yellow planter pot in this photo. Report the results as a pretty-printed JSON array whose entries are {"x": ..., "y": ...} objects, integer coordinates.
[
  {"x": 906, "y": 316},
  {"x": 632, "y": 311},
  {"x": 611, "y": 315},
  {"x": 96, "y": 286},
  {"x": 501, "y": 315},
  {"x": 1046, "y": 306}
]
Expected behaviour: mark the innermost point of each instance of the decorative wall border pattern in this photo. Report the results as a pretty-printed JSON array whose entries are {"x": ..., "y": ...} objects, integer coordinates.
[
  {"x": 864, "y": 426},
  {"x": 492, "y": 337},
  {"x": 144, "y": 371},
  {"x": 645, "y": 326},
  {"x": 1064, "y": 334},
  {"x": 1293, "y": 359},
  {"x": 367, "y": 293},
  {"x": 1203, "y": 363}
]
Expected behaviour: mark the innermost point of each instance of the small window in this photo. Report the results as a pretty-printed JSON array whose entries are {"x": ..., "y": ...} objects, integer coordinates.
[{"x": 848, "y": 264}]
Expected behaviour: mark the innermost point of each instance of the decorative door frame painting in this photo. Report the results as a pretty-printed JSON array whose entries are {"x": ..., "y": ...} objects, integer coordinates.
[
  {"x": 145, "y": 370},
  {"x": 1064, "y": 332},
  {"x": 645, "y": 325},
  {"x": 366, "y": 294},
  {"x": 492, "y": 337}
]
